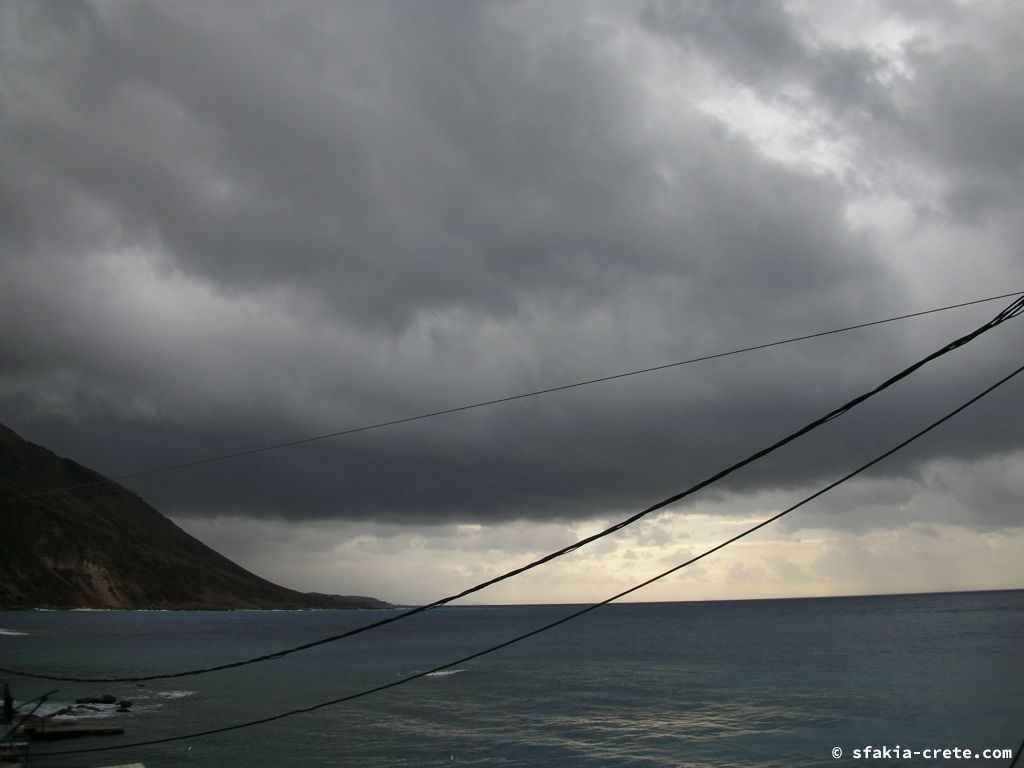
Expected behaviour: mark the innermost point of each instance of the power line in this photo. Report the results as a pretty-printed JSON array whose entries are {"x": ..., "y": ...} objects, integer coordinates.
[
  {"x": 486, "y": 403},
  {"x": 1014, "y": 309},
  {"x": 569, "y": 617}
]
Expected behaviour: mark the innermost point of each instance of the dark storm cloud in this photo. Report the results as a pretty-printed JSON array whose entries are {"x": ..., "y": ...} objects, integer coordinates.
[
  {"x": 451, "y": 165},
  {"x": 224, "y": 227}
]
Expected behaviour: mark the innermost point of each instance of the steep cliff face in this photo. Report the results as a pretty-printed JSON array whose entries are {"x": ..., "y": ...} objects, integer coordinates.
[{"x": 104, "y": 547}]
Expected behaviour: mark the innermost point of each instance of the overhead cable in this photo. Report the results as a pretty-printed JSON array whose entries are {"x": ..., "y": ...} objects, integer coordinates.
[
  {"x": 564, "y": 619},
  {"x": 485, "y": 403},
  {"x": 1014, "y": 309}
]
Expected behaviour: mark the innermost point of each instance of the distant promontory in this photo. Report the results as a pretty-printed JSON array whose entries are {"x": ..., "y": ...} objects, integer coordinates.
[{"x": 101, "y": 546}]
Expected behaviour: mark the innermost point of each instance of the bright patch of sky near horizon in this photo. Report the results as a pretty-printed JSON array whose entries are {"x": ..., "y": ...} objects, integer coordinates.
[{"x": 422, "y": 566}]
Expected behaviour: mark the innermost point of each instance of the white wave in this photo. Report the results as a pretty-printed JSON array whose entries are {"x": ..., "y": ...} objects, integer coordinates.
[
  {"x": 12, "y": 633},
  {"x": 444, "y": 673},
  {"x": 175, "y": 694},
  {"x": 87, "y": 715}
]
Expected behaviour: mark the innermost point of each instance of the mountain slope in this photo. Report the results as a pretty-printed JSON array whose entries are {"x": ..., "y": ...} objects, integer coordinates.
[{"x": 104, "y": 547}]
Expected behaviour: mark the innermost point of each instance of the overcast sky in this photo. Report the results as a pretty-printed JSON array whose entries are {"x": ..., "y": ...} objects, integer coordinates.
[{"x": 227, "y": 224}]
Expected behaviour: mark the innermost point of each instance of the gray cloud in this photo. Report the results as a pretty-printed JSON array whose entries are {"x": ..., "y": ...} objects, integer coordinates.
[
  {"x": 763, "y": 46},
  {"x": 948, "y": 108},
  {"x": 223, "y": 228}
]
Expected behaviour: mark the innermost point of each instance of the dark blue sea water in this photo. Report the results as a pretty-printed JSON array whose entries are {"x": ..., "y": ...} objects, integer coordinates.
[{"x": 744, "y": 683}]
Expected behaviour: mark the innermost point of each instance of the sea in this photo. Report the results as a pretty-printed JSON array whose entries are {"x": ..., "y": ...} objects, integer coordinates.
[{"x": 794, "y": 682}]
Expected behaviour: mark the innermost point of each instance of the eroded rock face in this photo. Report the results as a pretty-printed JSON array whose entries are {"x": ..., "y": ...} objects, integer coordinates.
[{"x": 104, "y": 547}]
